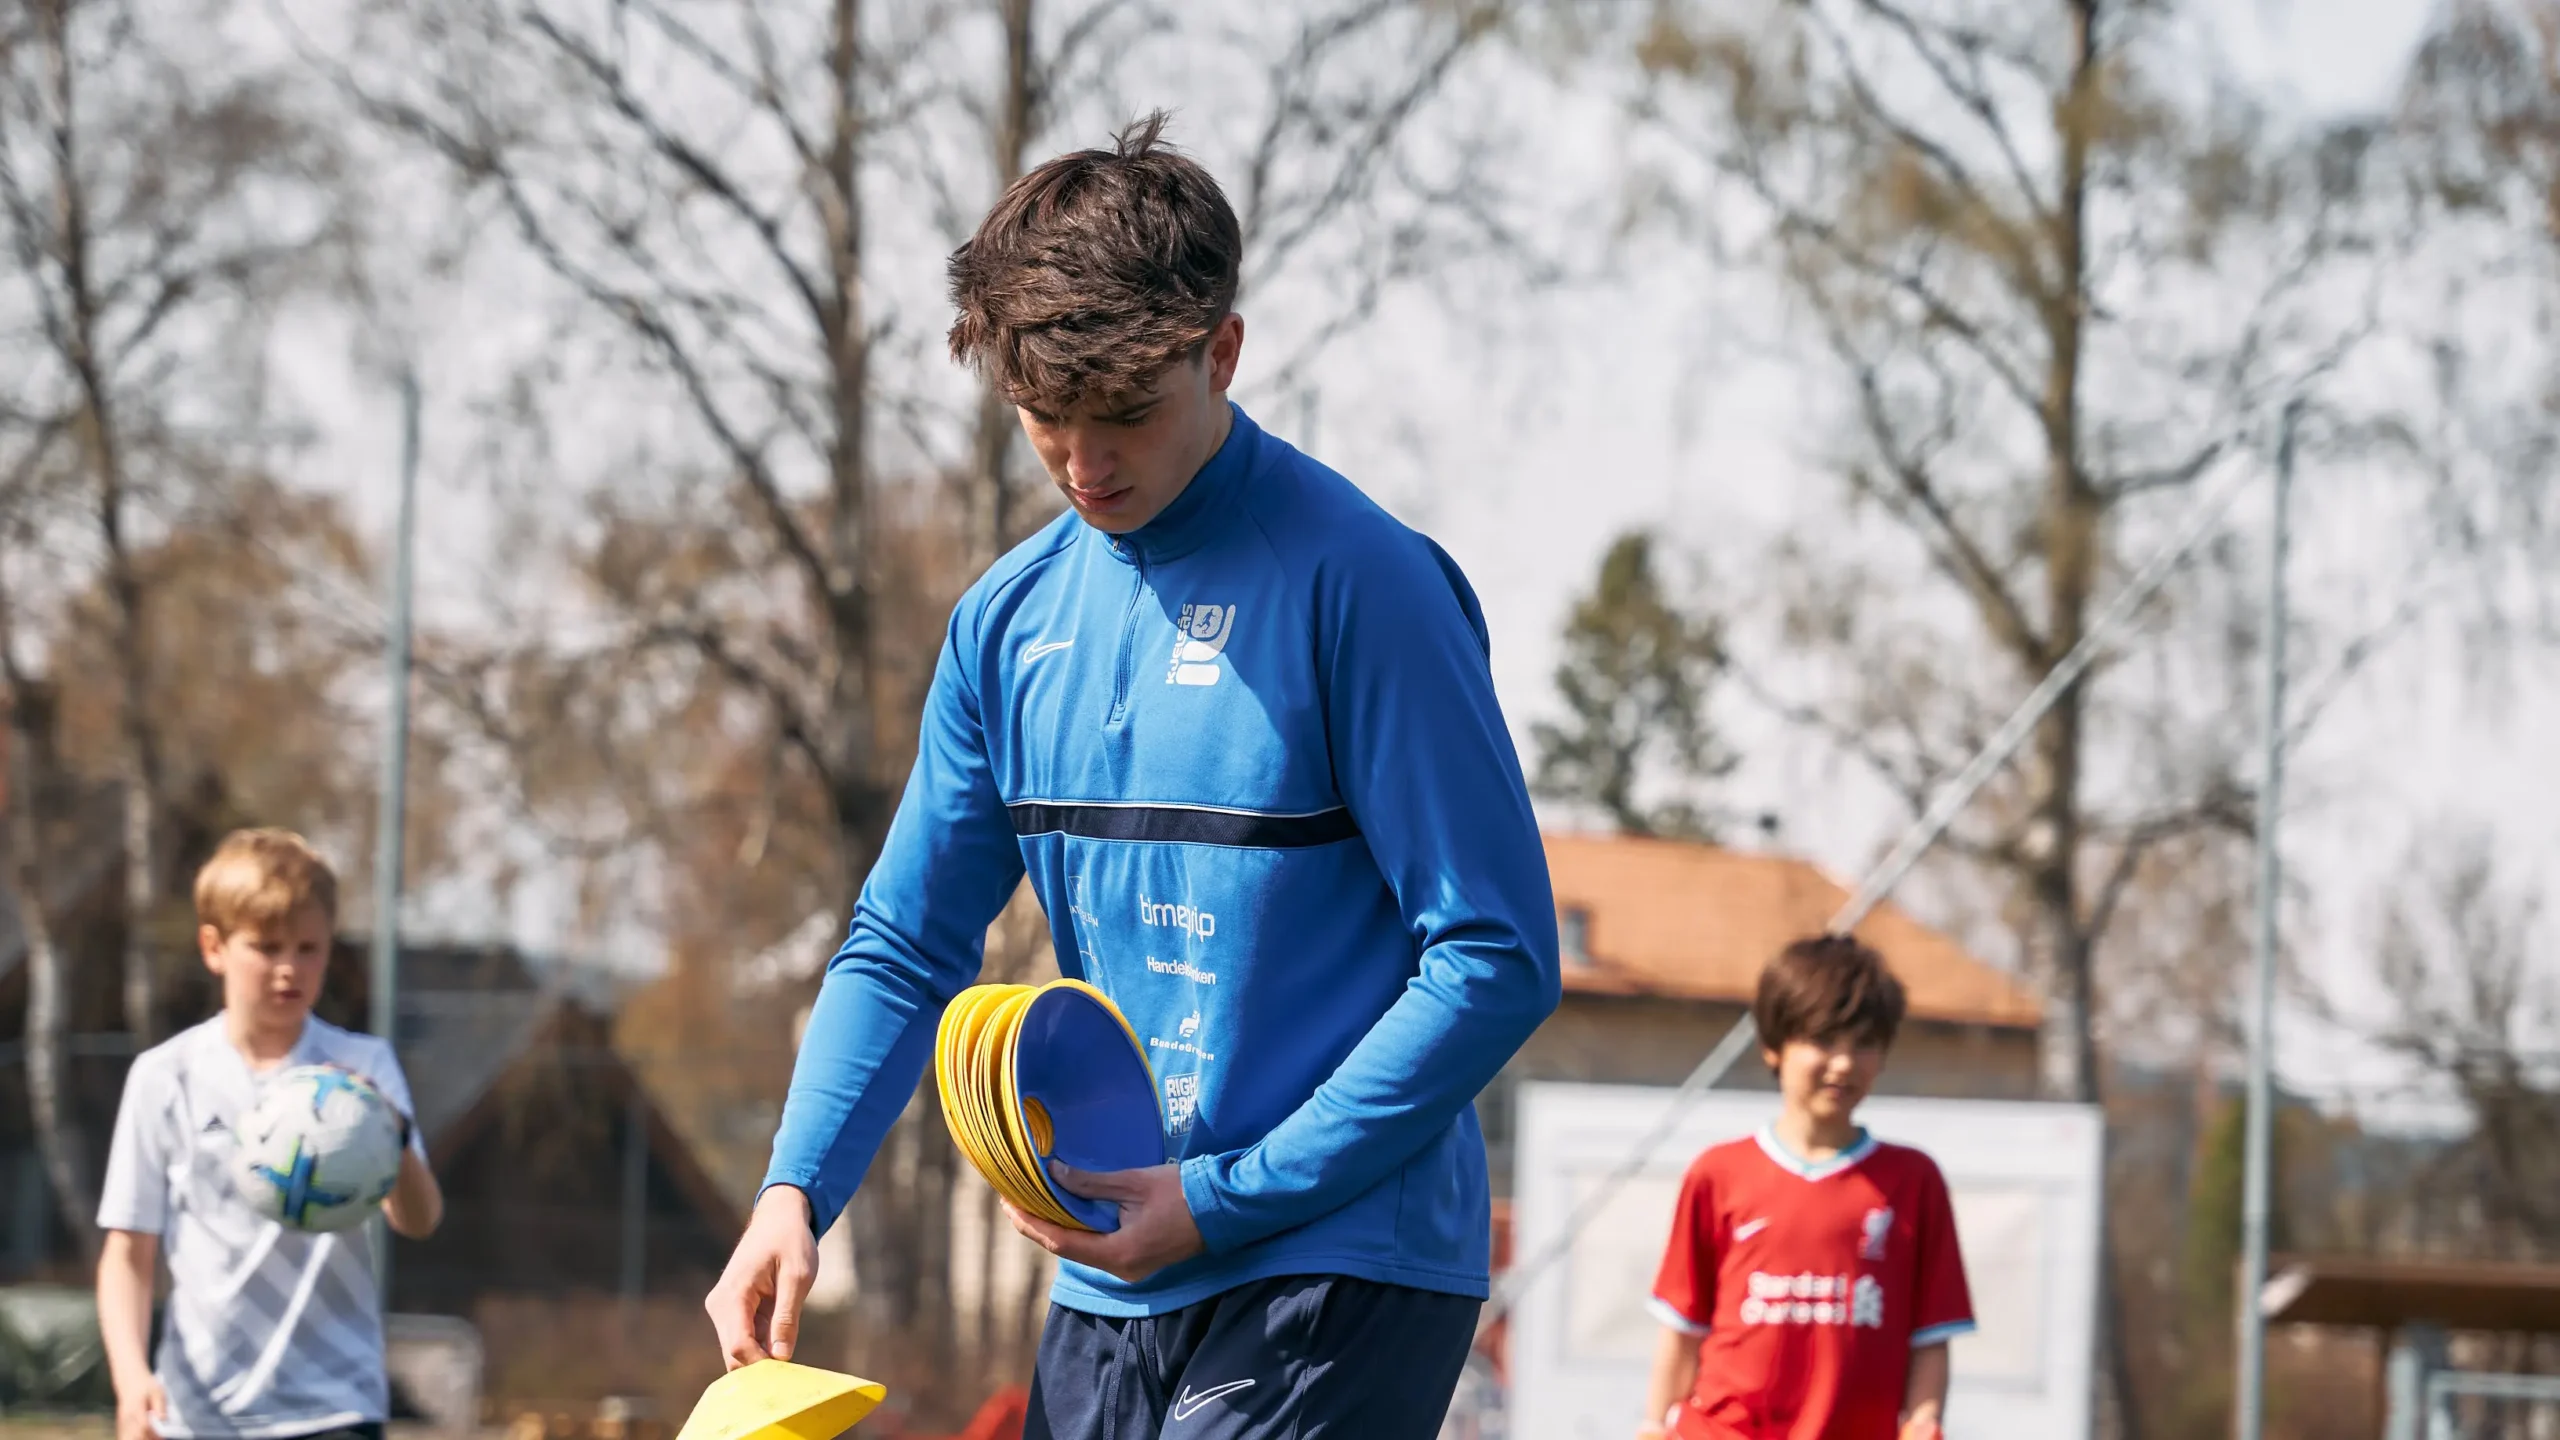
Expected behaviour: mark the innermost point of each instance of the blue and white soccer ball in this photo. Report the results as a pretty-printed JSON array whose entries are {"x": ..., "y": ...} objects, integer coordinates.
[{"x": 318, "y": 1150}]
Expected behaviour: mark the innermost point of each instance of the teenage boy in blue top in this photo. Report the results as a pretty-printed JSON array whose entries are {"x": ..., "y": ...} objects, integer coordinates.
[{"x": 1237, "y": 725}]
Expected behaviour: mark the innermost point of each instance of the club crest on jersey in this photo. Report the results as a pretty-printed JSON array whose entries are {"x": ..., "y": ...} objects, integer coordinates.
[
  {"x": 1872, "y": 1232},
  {"x": 1199, "y": 639}
]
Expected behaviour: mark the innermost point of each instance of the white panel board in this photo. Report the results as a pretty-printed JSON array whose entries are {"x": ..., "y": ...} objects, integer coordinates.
[{"x": 2025, "y": 1182}]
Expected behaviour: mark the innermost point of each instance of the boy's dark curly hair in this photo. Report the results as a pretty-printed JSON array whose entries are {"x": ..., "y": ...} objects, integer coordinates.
[
  {"x": 1096, "y": 272},
  {"x": 1826, "y": 987}
]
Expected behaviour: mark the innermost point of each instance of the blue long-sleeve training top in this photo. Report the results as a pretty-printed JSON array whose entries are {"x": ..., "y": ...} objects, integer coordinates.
[{"x": 1250, "y": 757}]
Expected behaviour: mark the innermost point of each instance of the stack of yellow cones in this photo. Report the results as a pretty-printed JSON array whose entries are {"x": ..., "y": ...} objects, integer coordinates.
[{"x": 1031, "y": 1073}]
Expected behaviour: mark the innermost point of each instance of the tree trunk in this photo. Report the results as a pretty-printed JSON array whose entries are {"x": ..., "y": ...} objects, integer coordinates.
[
  {"x": 2070, "y": 524},
  {"x": 1031, "y": 1312},
  {"x": 991, "y": 506},
  {"x": 987, "y": 1337},
  {"x": 141, "y": 765},
  {"x": 994, "y": 508},
  {"x": 2074, "y": 515},
  {"x": 141, "y": 906},
  {"x": 852, "y": 691},
  {"x": 882, "y": 1249},
  {"x": 891, "y": 1249},
  {"x": 883, "y": 1212},
  {"x": 939, "y": 1328},
  {"x": 103, "y": 449},
  {"x": 60, "y": 1144}
]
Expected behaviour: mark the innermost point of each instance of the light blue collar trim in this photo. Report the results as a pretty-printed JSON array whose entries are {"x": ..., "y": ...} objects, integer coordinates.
[{"x": 1798, "y": 1166}]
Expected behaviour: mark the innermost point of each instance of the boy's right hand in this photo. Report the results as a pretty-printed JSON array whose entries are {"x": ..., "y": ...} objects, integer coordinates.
[
  {"x": 756, "y": 1306},
  {"x": 136, "y": 1412}
]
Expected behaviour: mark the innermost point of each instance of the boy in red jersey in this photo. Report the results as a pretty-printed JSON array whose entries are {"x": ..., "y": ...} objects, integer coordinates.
[{"x": 1812, "y": 1280}]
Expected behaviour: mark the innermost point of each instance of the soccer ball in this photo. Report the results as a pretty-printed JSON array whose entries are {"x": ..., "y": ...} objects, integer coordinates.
[{"x": 318, "y": 1150}]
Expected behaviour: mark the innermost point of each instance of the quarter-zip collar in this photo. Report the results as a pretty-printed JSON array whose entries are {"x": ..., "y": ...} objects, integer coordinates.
[{"x": 1187, "y": 523}]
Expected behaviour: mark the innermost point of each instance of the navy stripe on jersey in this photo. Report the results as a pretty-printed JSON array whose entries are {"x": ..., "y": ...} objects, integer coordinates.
[{"x": 1185, "y": 825}]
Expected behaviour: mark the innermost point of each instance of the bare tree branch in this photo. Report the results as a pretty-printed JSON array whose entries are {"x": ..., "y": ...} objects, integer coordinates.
[
  {"x": 2224, "y": 811},
  {"x": 2019, "y": 251},
  {"x": 1275, "y": 228},
  {"x": 705, "y": 639},
  {"x": 1950, "y": 544},
  {"x": 608, "y": 76},
  {"x": 1969, "y": 92},
  {"x": 636, "y": 314}
]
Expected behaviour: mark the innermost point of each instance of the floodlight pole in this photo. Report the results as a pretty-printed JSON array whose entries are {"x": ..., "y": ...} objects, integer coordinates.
[
  {"x": 2259, "y": 1185},
  {"x": 391, "y": 812}
]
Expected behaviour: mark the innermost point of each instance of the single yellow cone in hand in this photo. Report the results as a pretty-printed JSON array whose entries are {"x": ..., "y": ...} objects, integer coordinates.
[{"x": 777, "y": 1400}]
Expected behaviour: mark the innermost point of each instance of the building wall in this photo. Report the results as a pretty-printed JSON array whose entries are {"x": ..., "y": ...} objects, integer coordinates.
[{"x": 1644, "y": 1040}]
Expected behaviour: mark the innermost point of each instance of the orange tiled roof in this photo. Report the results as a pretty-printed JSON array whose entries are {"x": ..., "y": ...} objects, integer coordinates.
[{"x": 1697, "y": 922}]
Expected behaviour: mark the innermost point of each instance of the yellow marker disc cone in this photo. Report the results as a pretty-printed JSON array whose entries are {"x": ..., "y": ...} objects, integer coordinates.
[
  {"x": 777, "y": 1400},
  {"x": 1012, "y": 1142},
  {"x": 957, "y": 1071},
  {"x": 1028, "y": 1072},
  {"x": 983, "y": 1033},
  {"x": 1031, "y": 1155}
]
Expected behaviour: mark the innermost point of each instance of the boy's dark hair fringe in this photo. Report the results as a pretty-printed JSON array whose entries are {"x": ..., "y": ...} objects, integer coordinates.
[
  {"x": 1827, "y": 986},
  {"x": 1096, "y": 271}
]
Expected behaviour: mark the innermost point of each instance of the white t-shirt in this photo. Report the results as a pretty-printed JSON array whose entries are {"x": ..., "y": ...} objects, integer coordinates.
[{"x": 268, "y": 1332}]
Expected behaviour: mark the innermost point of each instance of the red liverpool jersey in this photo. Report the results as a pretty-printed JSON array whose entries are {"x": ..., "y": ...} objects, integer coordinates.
[{"x": 1809, "y": 1285}]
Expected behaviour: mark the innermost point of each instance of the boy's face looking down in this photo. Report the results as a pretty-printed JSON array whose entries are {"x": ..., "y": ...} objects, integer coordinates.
[
  {"x": 1827, "y": 1078},
  {"x": 1121, "y": 459},
  {"x": 270, "y": 973}
]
